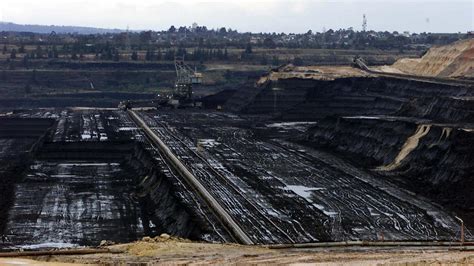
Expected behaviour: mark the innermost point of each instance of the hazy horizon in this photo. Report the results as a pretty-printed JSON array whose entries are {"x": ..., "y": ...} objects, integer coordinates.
[{"x": 295, "y": 16}]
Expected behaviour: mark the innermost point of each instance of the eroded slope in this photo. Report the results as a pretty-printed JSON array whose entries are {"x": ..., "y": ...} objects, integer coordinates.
[{"x": 454, "y": 61}]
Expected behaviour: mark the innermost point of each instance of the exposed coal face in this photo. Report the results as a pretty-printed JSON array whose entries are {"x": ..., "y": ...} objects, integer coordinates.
[
  {"x": 307, "y": 194},
  {"x": 64, "y": 203},
  {"x": 104, "y": 174},
  {"x": 447, "y": 109},
  {"x": 161, "y": 208},
  {"x": 310, "y": 99},
  {"x": 79, "y": 193},
  {"x": 19, "y": 140},
  {"x": 417, "y": 134},
  {"x": 217, "y": 100},
  {"x": 94, "y": 99},
  {"x": 433, "y": 160}
]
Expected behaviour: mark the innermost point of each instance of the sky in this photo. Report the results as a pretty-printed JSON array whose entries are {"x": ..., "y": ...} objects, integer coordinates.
[{"x": 296, "y": 16}]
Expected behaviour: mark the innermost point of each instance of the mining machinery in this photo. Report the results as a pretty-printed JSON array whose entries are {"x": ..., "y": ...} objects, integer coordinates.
[
  {"x": 186, "y": 78},
  {"x": 182, "y": 96},
  {"x": 359, "y": 62}
]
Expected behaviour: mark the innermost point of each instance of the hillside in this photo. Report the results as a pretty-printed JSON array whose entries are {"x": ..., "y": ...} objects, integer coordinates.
[
  {"x": 8, "y": 26},
  {"x": 450, "y": 61}
]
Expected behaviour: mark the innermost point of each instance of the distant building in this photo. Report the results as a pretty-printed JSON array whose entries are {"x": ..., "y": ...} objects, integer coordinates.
[{"x": 255, "y": 40}]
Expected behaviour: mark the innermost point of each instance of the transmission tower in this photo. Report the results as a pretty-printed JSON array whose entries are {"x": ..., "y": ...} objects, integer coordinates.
[{"x": 364, "y": 23}]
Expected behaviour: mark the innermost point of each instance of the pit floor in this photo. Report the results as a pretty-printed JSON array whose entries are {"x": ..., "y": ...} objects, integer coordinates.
[{"x": 73, "y": 203}]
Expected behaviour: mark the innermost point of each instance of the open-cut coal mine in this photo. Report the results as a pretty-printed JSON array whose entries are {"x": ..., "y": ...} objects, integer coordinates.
[{"x": 302, "y": 154}]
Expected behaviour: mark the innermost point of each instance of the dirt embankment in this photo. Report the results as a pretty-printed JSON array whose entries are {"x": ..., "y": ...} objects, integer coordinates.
[
  {"x": 450, "y": 61},
  {"x": 312, "y": 72},
  {"x": 173, "y": 251}
]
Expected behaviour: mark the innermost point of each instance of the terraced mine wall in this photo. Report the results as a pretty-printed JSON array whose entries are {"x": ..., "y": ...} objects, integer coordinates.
[
  {"x": 159, "y": 201},
  {"x": 432, "y": 160},
  {"x": 447, "y": 109},
  {"x": 104, "y": 87},
  {"x": 71, "y": 64},
  {"x": 416, "y": 134},
  {"x": 92, "y": 99},
  {"x": 310, "y": 99},
  {"x": 55, "y": 79},
  {"x": 85, "y": 192},
  {"x": 19, "y": 139},
  {"x": 156, "y": 195}
]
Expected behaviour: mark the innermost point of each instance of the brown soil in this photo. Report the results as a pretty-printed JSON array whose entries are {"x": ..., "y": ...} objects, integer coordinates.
[
  {"x": 177, "y": 251},
  {"x": 454, "y": 61},
  {"x": 16, "y": 261},
  {"x": 313, "y": 72}
]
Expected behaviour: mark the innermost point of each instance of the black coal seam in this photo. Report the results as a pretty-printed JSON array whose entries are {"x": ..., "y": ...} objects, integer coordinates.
[{"x": 161, "y": 205}]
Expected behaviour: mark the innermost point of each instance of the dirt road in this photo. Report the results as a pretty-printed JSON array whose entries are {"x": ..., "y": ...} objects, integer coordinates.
[{"x": 173, "y": 251}]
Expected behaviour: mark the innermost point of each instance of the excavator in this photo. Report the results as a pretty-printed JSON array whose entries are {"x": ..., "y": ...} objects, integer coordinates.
[
  {"x": 186, "y": 78},
  {"x": 182, "y": 95}
]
